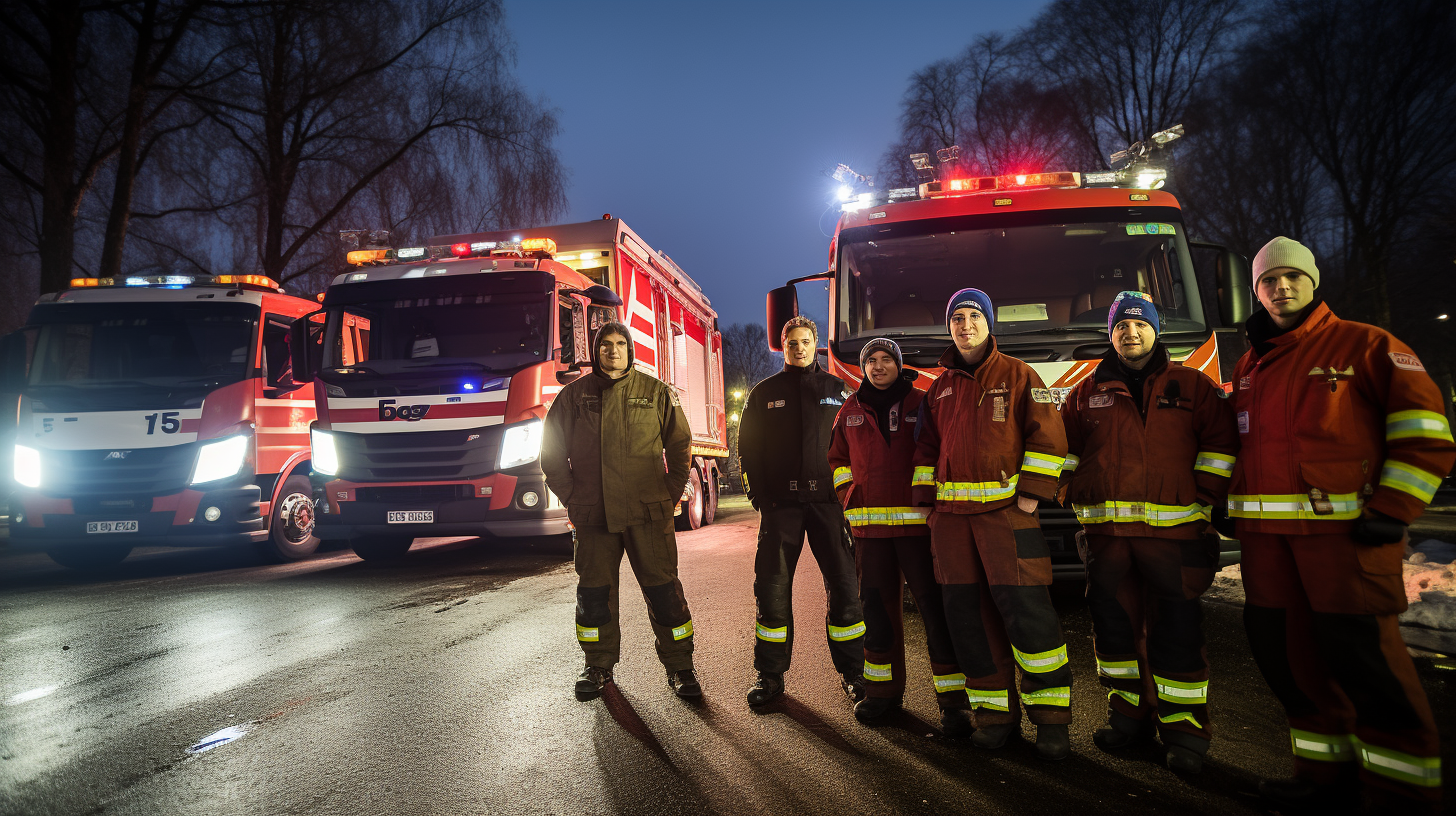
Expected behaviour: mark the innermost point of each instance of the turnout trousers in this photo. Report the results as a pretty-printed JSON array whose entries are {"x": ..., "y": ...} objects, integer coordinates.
[
  {"x": 994, "y": 569},
  {"x": 781, "y": 531},
  {"x": 1320, "y": 612},
  {"x": 885, "y": 566},
  {"x": 1147, "y": 632},
  {"x": 651, "y": 549}
]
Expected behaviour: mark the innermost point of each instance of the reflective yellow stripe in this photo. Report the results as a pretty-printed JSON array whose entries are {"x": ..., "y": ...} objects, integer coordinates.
[
  {"x": 1423, "y": 772},
  {"x": 850, "y": 632},
  {"x": 1156, "y": 515},
  {"x": 976, "y": 491},
  {"x": 1181, "y": 715},
  {"x": 1176, "y": 691},
  {"x": 924, "y": 475},
  {"x": 1041, "y": 662},
  {"x": 949, "y": 682},
  {"x": 1409, "y": 479},
  {"x": 684, "y": 631},
  {"x": 1056, "y": 696},
  {"x": 887, "y": 516},
  {"x": 1323, "y": 747},
  {"x": 1295, "y": 506},
  {"x": 1119, "y": 669},
  {"x": 1216, "y": 463},
  {"x": 877, "y": 672},
  {"x": 1042, "y": 463},
  {"x": 587, "y": 634},
  {"x": 779, "y": 635},
  {"x": 1417, "y": 424},
  {"x": 1129, "y": 696},
  {"x": 1071, "y": 463},
  {"x": 994, "y": 700},
  {"x": 842, "y": 476}
]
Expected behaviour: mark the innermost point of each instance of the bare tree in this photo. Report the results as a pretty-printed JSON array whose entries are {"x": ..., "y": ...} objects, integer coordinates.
[{"x": 746, "y": 361}]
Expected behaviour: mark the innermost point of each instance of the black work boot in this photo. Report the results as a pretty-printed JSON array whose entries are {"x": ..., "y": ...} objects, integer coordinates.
[
  {"x": 1185, "y": 752},
  {"x": 872, "y": 708},
  {"x": 684, "y": 683},
  {"x": 992, "y": 737},
  {"x": 1053, "y": 742},
  {"x": 590, "y": 682},
  {"x": 1123, "y": 731},
  {"x": 853, "y": 685},
  {"x": 768, "y": 686},
  {"x": 956, "y": 723}
]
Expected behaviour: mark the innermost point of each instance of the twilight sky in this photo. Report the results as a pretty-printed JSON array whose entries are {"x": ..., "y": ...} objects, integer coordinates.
[{"x": 711, "y": 128}]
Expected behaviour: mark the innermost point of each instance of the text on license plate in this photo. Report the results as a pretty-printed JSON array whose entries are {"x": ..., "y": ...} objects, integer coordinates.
[
  {"x": 410, "y": 516},
  {"x": 112, "y": 526}
]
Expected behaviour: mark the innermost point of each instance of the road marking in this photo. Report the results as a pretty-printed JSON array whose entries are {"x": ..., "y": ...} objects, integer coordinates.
[
  {"x": 219, "y": 738},
  {"x": 33, "y": 694}
]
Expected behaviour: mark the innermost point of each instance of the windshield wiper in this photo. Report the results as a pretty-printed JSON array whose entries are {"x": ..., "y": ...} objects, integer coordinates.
[
  {"x": 1056, "y": 330},
  {"x": 349, "y": 371},
  {"x": 458, "y": 364}
]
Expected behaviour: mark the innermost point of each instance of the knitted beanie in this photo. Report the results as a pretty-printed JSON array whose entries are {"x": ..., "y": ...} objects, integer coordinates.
[
  {"x": 884, "y": 344},
  {"x": 975, "y": 299},
  {"x": 1135, "y": 305},
  {"x": 1288, "y": 252}
]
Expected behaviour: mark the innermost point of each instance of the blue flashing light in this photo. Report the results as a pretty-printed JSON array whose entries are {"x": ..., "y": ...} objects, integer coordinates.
[
  {"x": 136, "y": 281},
  {"x": 469, "y": 386}
]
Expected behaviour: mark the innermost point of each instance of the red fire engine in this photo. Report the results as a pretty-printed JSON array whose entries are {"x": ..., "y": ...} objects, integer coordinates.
[
  {"x": 160, "y": 410},
  {"x": 438, "y": 363}
]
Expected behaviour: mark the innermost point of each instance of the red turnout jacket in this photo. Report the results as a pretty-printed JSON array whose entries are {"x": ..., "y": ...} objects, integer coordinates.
[{"x": 872, "y": 476}]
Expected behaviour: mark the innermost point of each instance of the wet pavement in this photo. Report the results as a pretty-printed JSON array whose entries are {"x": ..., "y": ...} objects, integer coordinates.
[{"x": 205, "y": 681}]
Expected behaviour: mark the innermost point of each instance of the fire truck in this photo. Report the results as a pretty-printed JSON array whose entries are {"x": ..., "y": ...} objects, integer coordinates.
[
  {"x": 1052, "y": 249},
  {"x": 437, "y": 365},
  {"x": 159, "y": 410}
]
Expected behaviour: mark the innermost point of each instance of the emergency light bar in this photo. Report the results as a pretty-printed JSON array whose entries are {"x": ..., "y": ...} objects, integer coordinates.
[
  {"x": 365, "y": 257},
  {"x": 179, "y": 281}
]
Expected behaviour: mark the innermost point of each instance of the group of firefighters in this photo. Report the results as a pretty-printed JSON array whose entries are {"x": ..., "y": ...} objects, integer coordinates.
[{"x": 1332, "y": 440}]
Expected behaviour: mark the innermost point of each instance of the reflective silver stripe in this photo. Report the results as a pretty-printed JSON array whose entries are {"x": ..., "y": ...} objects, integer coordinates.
[
  {"x": 878, "y": 672},
  {"x": 682, "y": 632},
  {"x": 1118, "y": 668},
  {"x": 1409, "y": 479},
  {"x": 1215, "y": 463},
  {"x": 842, "y": 476},
  {"x": 1071, "y": 463},
  {"x": 1042, "y": 463},
  {"x": 949, "y": 682},
  {"x": 778, "y": 635},
  {"x": 891, "y": 516},
  {"x": 976, "y": 491},
  {"x": 846, "y": 632},
  {"x": 1343, "y": 506},
  {"x": 1158, "y": 515}
]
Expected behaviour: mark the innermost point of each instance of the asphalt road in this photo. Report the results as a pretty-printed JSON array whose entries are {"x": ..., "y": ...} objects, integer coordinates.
[{"x": 444, "y": 685}]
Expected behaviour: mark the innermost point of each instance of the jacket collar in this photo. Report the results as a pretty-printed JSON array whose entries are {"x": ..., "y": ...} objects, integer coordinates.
[
  {"x": 1112, "y": 369},
  {"x": 950, "y": 360},
  {"x": 1265, "y": 333}
]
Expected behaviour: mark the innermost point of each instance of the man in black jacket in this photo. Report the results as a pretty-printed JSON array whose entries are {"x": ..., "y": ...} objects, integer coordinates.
[{"x": 783, "y": 451}]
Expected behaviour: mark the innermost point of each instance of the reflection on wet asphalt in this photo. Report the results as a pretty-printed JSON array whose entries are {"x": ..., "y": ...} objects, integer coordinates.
[{"x": 207, "y": 681}]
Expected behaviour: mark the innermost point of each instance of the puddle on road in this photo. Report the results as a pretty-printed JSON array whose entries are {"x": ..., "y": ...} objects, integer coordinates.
[{"x": 220, "y": 738}]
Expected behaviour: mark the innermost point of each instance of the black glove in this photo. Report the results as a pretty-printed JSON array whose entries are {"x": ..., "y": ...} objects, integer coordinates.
[
  {"x": 1221, "y": 521},
  {"x": 1375, "y": 529}
]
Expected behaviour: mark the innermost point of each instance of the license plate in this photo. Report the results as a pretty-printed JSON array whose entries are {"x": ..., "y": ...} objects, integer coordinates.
[
  {"x": 411, "y": 516},
  {"x": 112, "y": 526}
]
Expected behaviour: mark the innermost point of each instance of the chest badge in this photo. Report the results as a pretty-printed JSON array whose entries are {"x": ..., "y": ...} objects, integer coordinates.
[
  {"x": 851, "y": 421},
  {"x": 998, "y": 409},
  {"x": 1099, "y": 401},
  {"x": 895, "y": 418}
]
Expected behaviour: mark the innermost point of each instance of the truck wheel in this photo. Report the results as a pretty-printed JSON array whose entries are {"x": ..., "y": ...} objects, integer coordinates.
[
  {"x": 691, "y": 518},
  {"x": 710, "y": 506},
  {"x": 382, "y": 549},
  {"x": 291, "y": 530},
  {"x": 89, "y": 557}
]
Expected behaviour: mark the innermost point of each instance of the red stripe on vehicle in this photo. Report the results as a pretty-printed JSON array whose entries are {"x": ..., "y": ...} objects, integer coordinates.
[
  {"x": 640, "y": 324},
  {"x": 646, "y": 355}
]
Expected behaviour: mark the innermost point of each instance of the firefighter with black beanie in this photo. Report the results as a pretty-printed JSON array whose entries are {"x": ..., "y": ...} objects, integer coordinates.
[{"x": 783, "y": 452}]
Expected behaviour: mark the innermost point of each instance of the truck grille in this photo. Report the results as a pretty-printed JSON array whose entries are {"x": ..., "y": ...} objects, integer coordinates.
[
  {"x": 136, "y": 472},
  {"x": 415, "y": 494},
  {"x": 417, "y": 456}
]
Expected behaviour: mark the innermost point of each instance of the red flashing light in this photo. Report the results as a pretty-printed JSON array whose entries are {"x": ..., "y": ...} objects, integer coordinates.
[
  {"x": 80, "y": 282},
  {"x": 252, "y": 280},
  {"x": 460, "y": 250},
  {"x": 545, "y": 245}
]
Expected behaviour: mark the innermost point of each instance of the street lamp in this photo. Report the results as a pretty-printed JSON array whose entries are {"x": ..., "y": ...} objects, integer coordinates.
[
  {"x": 733, "y": 417},
  {"x": 739, "y": 394}
]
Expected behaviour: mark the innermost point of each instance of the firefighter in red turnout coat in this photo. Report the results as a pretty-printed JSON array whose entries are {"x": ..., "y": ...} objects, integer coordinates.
[
  {"x": 1150, "y": 449},
  {"x": 1344, "y": 440},
  {"x": 991, "y": 445},
  {"x": 872, "y": 454}
]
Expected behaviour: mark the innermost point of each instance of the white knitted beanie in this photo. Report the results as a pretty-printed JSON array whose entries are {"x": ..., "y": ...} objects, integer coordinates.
[{"x": 1286, "y": 252}]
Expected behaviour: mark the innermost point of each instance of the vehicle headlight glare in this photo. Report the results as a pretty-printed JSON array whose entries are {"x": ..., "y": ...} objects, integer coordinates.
[
  {"x": 219, "y": 460},
  {"x": 521, "y": 444},
  {"x": 27, "y": 466},
  {"x": 325, "y": 456}
]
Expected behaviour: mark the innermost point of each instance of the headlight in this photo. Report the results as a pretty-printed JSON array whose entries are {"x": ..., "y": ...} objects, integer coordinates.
[
  {"x": 325, "y": 457},
  {"x": 521, "y": 444},
  {"x": 27, "y": 466},
  {"x": 219, "y": 460}
]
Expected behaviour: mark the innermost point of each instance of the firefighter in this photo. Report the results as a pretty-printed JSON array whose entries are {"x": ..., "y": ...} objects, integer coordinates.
[
  {"x": 1150, "y": 449},
  {"x": 872, "y": 455},
  {"x": 603, "y": 456},
  {"x": 783, "y": 452},
  {"x": 1344, "y": 441},
  {"x": 991, "y": 446}
]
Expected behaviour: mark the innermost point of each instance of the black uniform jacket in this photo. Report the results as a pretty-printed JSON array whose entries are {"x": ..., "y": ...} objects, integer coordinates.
[{"x": 784, "y": 436}]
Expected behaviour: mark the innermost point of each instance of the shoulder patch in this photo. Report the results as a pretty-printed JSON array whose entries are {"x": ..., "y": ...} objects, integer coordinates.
[
  {"x": 854, "y": 419},
  {"x": 1099, "y": 401},
  {"x": 1041, "y": 395},
  {"x": 1409, "y": 362}
]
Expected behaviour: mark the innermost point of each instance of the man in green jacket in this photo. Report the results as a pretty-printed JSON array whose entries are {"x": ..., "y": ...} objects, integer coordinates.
[{"x": 603, "y": 455}]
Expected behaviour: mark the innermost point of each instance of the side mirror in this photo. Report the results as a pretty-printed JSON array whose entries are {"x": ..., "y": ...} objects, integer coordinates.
[
  {"x": 1235, "y": 299},
  {"x": 305, "y": 347},
  {"x": 781, "y": 306},
  {"x": 12, "y": 362},
  {"x": 581, "y": 344}
]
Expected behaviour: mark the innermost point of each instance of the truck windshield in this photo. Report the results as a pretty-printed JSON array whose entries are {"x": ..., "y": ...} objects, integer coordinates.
[
  {"x": 187, "y": 345},
  {"x": 450, "y": 326},
  {"x": 1046, "y": 273}
]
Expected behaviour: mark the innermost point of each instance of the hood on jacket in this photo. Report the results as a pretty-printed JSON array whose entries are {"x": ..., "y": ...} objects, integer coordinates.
[{"x": 613, "y": 327}]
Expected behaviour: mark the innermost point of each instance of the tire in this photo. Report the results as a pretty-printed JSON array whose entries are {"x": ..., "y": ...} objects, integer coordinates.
[
  {"x": 391, "y": 548},
  {"x": 291, "y": 527},
  {"x": 89, "y": 557},
  {"x": 710, "y": 507},
  {"x": 691, "y": 518}
]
